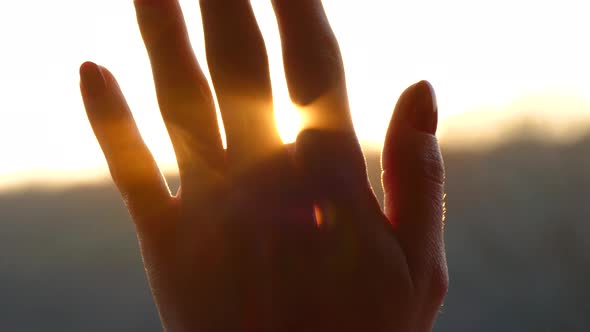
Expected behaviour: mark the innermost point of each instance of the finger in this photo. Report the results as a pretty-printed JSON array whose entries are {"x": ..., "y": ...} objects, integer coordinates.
[
  {"x": 413, "y": 177},
  {"x": 332, "y": 162},
  {"x": 328, "y": 150},
  {"x": 334, "y": 169},
  {"x": 313, "y": 64},
  {"x": 183, "y": 93},
  {"x": 238, "y": 64},
  {"x": 131, "y": 164}
]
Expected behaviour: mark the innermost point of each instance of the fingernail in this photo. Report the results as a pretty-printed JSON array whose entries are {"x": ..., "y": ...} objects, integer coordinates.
[
  {"x": 425, "y": 113},
  {"x": 92, "y": 79}
]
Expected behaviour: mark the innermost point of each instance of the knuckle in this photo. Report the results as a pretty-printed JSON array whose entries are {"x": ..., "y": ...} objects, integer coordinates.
[{"x": 417, "y": 158}]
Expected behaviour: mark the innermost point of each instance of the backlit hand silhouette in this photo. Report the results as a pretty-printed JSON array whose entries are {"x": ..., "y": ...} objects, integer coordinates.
[{"x": 264, "y": 236}]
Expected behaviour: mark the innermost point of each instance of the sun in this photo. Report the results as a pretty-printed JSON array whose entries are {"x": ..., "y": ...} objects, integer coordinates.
[{"x": 288, "y": 121}]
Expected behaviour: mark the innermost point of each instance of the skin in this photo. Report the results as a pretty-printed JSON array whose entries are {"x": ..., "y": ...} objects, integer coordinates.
[{"x": 264, "y": 236}]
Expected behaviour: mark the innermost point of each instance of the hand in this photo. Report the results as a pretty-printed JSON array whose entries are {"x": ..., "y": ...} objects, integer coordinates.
[{"x": 265, "y": 236}]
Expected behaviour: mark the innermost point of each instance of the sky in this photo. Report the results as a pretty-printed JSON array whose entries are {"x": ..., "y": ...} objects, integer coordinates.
[{"x": 494, "y": 64}]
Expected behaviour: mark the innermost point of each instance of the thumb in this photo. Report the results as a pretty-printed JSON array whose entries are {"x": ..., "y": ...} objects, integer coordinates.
[{"x": 413, "y": 178}]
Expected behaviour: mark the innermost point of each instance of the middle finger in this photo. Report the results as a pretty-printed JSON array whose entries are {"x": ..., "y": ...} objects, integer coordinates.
[{"x": 239, "y": 68}]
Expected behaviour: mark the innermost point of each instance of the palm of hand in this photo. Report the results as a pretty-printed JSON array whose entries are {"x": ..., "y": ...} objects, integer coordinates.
[{"x": 247, "y": 256}]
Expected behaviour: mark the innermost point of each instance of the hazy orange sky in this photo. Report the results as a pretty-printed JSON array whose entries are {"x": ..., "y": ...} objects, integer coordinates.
[{"x": 491, "y": 63}]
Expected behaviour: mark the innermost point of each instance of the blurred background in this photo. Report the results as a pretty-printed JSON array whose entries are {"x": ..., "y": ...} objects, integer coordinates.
[{"x": 514, "y": 101}]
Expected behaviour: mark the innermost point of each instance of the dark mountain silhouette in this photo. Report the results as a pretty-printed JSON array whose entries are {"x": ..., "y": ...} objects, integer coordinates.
[{"x": 518, "y": 230}]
